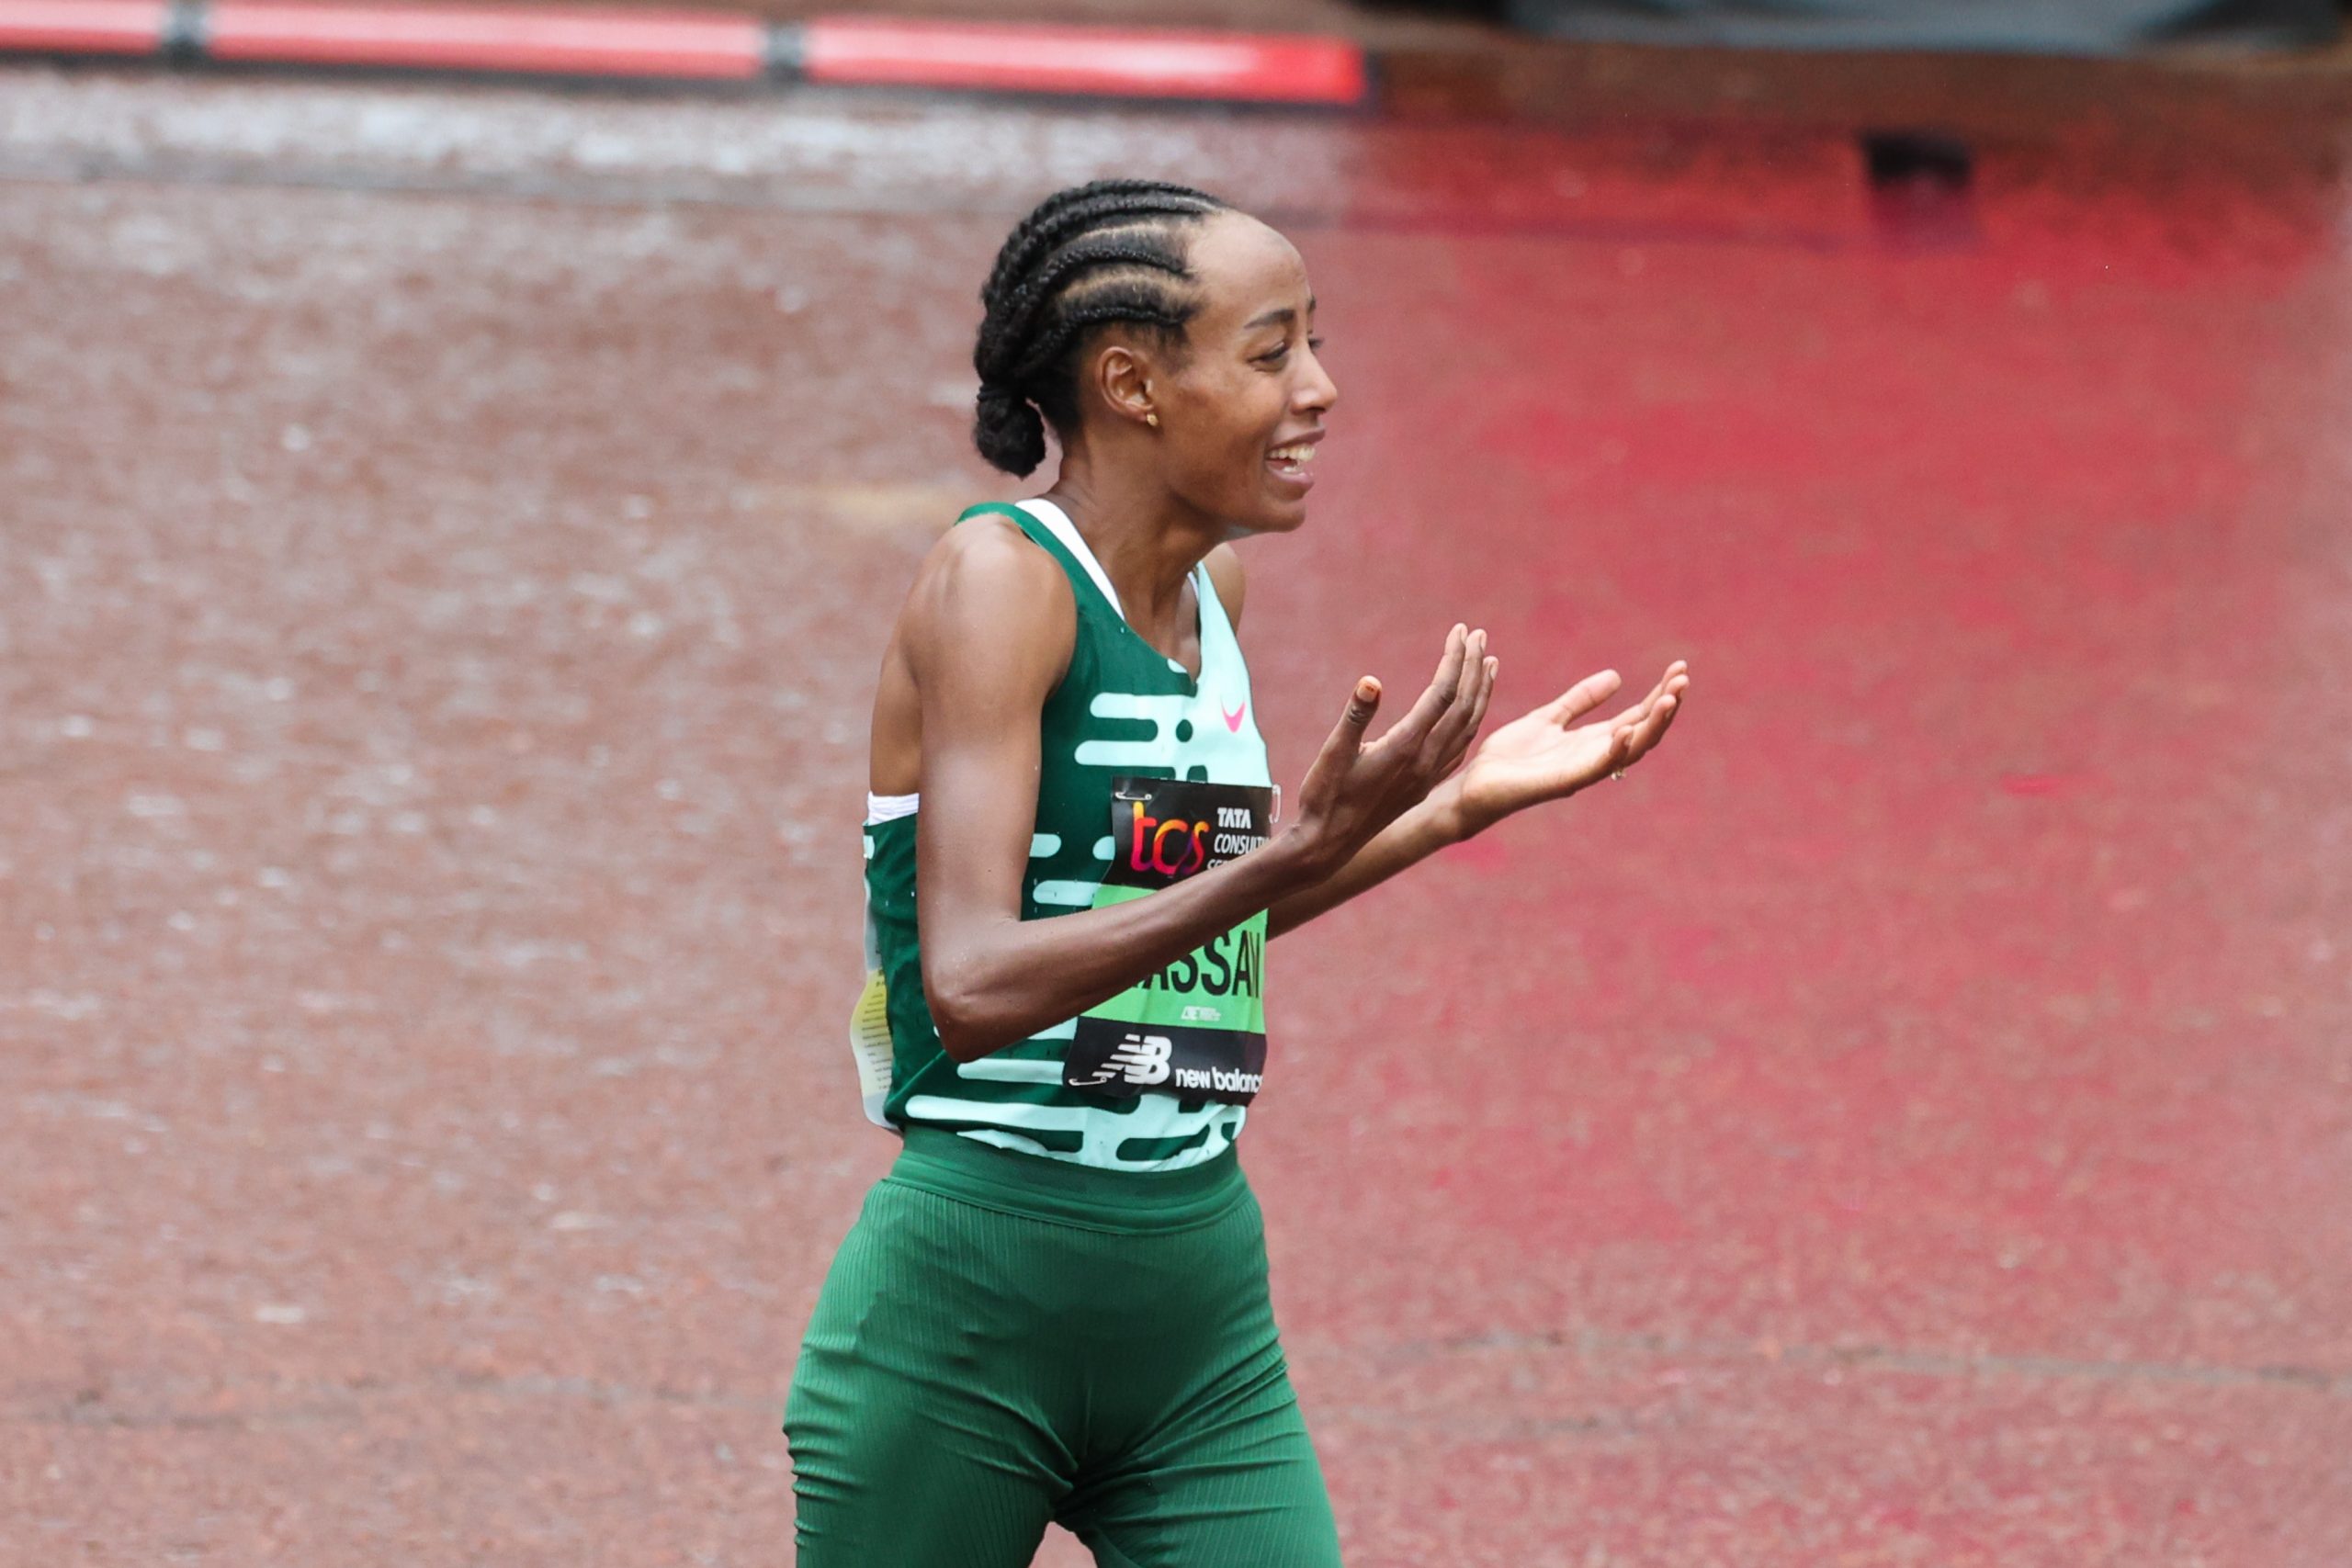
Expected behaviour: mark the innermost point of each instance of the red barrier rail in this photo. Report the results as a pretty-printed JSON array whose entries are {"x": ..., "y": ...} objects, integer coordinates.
[
  {"x": 1013, "y": 57},
  {"x": 566, "y": 41},
  {"x": 709, "y": 46},
  {"x": 82, "y": 27}
]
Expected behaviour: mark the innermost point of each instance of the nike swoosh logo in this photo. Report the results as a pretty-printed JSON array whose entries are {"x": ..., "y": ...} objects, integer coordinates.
[{"x": 1233, "y": 720}]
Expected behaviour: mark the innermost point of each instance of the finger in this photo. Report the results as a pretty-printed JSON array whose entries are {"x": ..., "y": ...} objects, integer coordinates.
[
  {"x": 1633, "y": 716},
  {"x": 1474, "y": 666},
  {"x": 1478, "y": 716},
  {"x": 1640, "y": 711},
  {"x": 1415, "y": 726},
  {"x": 1582, "y": 698},
  {"x": 1677, "y": 676},
  {"x": 1486, "y": 693},
  {"x": 1672, "y": 692},
  {"x": 1444, "y": 734},
  {"x": 1661, "y": 719},
  {"x": 1447, "y": 734},
  {"x": 1450, "y": 737},
  {"x": 1650, "y": 731},
  {"x": 1675, "y": 680},
  {"x": 1346, "y": 737}
]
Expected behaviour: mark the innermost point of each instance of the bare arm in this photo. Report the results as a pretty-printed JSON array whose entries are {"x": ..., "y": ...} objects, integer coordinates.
[
  {"x": 988, "y": 631},
  {"x": 1411, "y": 839}
]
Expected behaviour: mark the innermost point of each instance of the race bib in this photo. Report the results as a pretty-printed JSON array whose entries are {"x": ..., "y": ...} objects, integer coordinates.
[{"x": 1197, "y": 1029}]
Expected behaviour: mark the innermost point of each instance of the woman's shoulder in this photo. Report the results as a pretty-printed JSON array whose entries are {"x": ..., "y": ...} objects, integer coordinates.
[
  {"x": 1231, "y": 583},
  {"x": 985, "y": 576},
  {"x": 991, "y": 551}
]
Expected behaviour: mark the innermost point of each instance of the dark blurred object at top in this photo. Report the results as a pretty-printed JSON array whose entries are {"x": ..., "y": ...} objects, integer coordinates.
[{"x": 2021, "y": 27}]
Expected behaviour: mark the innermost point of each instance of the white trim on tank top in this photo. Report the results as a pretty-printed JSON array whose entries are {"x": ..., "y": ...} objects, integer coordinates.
[
  {"x": 1058, "y": 524},
  {"x": 880, "y": 808}
]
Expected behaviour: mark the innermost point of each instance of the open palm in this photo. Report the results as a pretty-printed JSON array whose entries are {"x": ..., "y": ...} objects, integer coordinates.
[{"x": 1546, "y": 754}]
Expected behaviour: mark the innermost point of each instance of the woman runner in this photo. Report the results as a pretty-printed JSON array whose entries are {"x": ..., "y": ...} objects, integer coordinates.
[{"x": 1054, "y": 1307}]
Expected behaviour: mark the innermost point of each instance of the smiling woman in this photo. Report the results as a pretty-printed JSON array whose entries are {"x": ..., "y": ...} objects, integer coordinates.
[
  {"x": 1132, "y": 257},
  {"x": 1055, "y": 1306}
]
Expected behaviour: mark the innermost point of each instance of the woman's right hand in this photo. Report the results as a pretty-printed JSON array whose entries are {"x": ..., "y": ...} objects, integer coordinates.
[{"x": 1358, "y": 787}]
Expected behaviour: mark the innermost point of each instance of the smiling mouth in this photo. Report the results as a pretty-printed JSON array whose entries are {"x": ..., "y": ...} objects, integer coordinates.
[{"x": 1294, "y": 463}]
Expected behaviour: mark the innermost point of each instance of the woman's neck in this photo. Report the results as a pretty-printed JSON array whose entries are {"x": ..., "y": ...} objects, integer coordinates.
[{"x": 1147, "y": 542}]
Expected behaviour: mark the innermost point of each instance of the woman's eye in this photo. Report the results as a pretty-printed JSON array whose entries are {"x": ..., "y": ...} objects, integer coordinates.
[{"x": 1316, "y": 343}]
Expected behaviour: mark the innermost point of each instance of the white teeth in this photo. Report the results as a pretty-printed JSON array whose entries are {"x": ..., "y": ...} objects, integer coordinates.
[{"x": 1293, "y": 454}]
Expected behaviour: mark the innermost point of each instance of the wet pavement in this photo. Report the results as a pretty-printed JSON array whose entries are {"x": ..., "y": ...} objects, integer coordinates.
[{"x": 450, "y": 534}]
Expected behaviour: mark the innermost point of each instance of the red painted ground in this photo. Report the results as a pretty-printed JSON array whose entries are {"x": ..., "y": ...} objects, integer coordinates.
[{"x": 449, "y": 541}]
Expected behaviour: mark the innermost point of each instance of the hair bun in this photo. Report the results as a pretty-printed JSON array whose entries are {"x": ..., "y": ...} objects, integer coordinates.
[
  {"x": 1108, "y": 252},
  {"x": 1008, "y": 431}
]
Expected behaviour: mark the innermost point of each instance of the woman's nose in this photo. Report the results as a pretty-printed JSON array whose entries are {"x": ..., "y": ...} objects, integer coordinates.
[{"x": 1318, "y": 392}]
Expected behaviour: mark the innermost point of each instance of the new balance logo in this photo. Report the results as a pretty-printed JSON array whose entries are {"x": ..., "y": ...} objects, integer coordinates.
[
  {"x": 1220, "y": 1082},
  {"x": 1139, "y": 1059}
]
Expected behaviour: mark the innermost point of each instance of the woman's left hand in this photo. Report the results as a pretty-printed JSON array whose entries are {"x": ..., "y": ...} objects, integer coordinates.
[{"x": 1548, "y": 755}]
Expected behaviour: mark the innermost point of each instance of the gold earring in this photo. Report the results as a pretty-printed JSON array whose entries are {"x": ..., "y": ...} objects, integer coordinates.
[{"x": 1152, "y": 420}]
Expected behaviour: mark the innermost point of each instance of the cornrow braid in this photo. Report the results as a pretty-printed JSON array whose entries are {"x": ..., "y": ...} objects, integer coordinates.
[
  {"x": 1021, "y": 308},
  {"x": 1129, "y": 302},
  {"x": 1093, "y": 255},
  {"x": 1051, "y": 219}
]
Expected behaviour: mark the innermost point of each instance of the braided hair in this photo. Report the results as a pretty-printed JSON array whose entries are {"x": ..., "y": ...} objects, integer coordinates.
[{"x": 1111, "y": 250}]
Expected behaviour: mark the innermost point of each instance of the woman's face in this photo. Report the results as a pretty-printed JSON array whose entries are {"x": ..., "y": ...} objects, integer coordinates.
[{"x": 1239, "y": 416}]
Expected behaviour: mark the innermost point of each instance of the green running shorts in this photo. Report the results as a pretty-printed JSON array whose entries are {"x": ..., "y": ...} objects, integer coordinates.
[{"x": 1005, "y": 1340}]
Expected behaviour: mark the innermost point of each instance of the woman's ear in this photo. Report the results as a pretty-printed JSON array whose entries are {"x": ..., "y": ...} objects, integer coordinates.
[{"x": 1123, "y": 377}]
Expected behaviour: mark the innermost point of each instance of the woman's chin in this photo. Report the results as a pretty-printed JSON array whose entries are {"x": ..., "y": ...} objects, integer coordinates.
[
  {"x": 1270, "y": 509},
  {"x": 1283, "y": 505},
  {"x": 1282, "y": 517}
]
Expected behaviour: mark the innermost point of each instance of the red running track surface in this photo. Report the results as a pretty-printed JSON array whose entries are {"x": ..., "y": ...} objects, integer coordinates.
[{"x": 451, "y": 535}]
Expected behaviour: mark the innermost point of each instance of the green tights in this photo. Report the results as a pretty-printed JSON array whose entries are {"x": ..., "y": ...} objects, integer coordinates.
[{"x": 1005, "y": 1340}]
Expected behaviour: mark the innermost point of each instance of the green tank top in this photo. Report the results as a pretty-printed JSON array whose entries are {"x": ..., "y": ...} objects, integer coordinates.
[{"x": 1147, "y": 775}]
